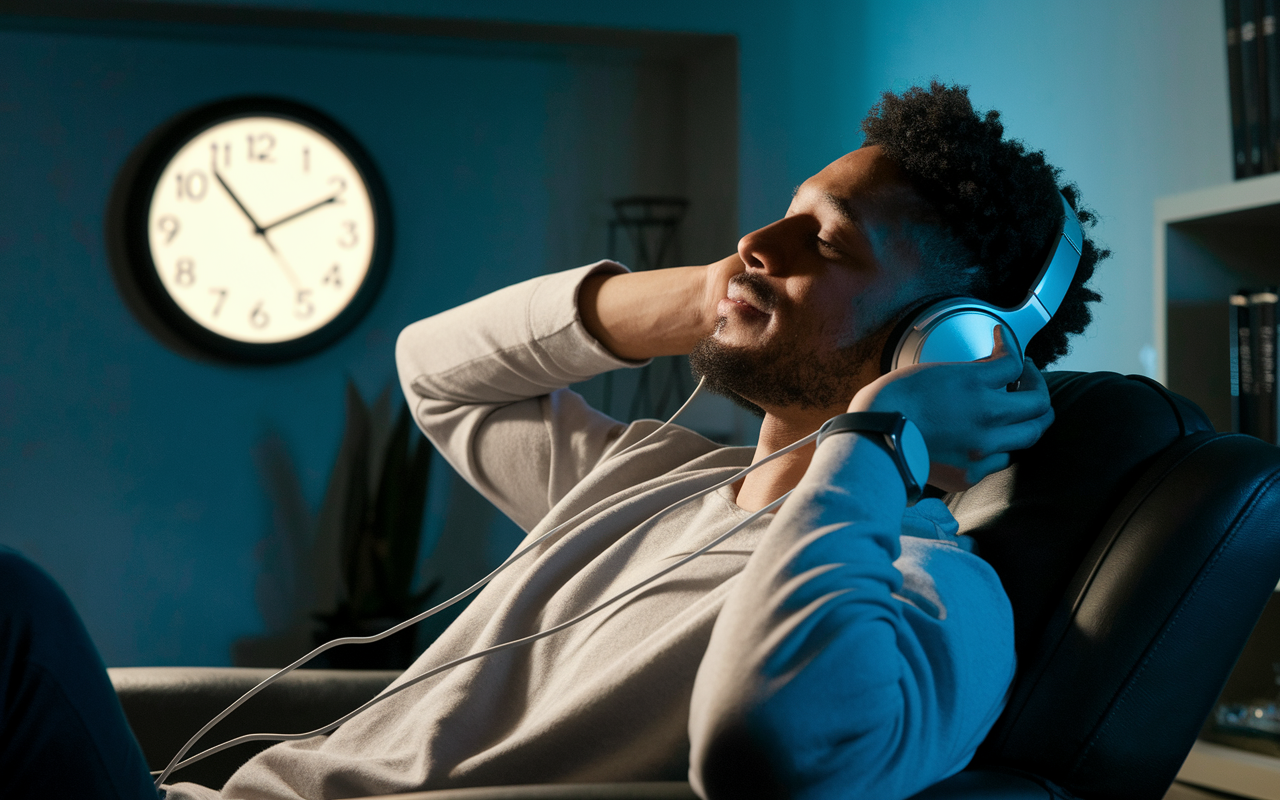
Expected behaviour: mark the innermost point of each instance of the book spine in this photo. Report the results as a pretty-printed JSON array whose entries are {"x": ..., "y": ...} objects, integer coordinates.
[
  {"x": 1239, "y": 317},
  {"x": 1249, "y": 84},
  {"x": 1262, "y": 312},
  {"x": 1239, "y": 142},
  {"x": 1248, "y": 387},
  {"x": 1271, "y": 79}
]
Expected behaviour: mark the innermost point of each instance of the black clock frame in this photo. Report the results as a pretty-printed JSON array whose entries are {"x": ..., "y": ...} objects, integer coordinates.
[{"x": 141, "y": 281}]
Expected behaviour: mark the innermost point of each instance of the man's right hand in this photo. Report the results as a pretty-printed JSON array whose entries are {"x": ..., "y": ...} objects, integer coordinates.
[{"x": 663, "y": 312}]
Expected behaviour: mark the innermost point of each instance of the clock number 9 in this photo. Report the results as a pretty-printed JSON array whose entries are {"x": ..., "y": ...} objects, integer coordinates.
[
  {"x": 186, "y": 274},
  {"x": 257, "y": 317},
  {"x": 192, "y": 185},
  {"x": 168, "y": 225}
]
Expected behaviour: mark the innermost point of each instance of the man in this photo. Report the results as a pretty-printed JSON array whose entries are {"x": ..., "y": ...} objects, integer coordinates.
[{"x": 840, "y": 645}]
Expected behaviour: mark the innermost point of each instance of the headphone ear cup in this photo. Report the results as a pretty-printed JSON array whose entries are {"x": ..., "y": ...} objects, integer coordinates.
[
  {"x": 954, "y": 329},
  {"x": 899, "y": 332}
]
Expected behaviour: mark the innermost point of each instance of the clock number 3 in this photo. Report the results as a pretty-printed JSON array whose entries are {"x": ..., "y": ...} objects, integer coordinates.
[{"x": 349, "y": 238}]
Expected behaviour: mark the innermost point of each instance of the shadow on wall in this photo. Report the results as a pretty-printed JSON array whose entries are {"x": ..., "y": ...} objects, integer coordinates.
[{"x": 353, "y": 569}]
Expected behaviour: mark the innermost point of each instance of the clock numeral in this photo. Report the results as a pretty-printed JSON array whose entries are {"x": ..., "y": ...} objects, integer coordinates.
[
  {"x": 342, "y": 187},
  {"x": 222, "y": 298},
  {"x": 348, "y": 239},
  {"x": 226, "y": 154},
  {"x": 186, "y": 274},
  {"x": 257, "y": 317},
  {"x": 306, "y": 159},
  {"x": 260, "y": 147},
  {"x": 168, "y": 225},
  {"x": 332, "y": 278},
  {"x": 192, "y": 185},
  {"x": 303, "y": 307}
]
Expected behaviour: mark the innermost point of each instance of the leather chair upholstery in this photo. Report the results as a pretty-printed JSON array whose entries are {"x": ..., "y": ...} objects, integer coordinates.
[{"x": 1137, "y": 547}]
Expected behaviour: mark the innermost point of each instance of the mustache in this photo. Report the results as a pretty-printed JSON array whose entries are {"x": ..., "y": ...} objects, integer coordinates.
[{"x": 760, "y": 293}]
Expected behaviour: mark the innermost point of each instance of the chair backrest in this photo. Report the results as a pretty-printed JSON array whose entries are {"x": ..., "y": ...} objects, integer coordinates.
[{"x": 1138, "y": 549}]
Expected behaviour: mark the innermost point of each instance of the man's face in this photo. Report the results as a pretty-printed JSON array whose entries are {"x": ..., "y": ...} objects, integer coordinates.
[{"x": 804, "y": 323}]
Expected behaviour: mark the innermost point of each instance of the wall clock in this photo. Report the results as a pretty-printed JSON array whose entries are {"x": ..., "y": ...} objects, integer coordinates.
[{"x": 255, "y": 229}]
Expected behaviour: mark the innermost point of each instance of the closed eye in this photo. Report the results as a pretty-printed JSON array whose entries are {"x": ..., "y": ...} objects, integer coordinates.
[{"x": 828, "y": 247}]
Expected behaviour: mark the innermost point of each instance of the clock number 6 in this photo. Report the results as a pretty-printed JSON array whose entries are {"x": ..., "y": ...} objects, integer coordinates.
[
  {"x": 186, "y": 274},
  {"x": 257, "y": 317}
]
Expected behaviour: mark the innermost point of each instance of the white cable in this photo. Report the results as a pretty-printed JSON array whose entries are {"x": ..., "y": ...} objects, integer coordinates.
[
  {"x": 176, "y": 763},
  {"x": 286, "y": 737},
  {"x": 405, "y": 624}
]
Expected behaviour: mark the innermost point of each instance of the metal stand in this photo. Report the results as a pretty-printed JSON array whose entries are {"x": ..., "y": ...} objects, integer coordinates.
[{"x": 652, "y": 230}]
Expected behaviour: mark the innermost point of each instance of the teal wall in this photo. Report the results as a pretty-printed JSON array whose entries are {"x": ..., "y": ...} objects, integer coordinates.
[{"x": 129, "y": 472}]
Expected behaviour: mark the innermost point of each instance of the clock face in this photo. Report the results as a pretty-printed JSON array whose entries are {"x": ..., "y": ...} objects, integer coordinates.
[{"x": 262, "y": 230}]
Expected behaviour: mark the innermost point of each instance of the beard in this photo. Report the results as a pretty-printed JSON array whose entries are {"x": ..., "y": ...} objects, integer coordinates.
[{"x": 785, "y": 371}]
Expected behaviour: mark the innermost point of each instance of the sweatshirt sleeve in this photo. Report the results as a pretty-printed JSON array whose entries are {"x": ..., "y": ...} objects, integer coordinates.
[
  {"x": 486, "y": 384},
  {"x": 849, "y": 660}
]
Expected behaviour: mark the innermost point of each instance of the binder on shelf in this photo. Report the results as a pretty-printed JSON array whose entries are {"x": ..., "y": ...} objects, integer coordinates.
[
  {"x": 1239, "y": 140},
  {"x": 1242, "y": 374},
  {"x": 1250, "y": 83},
  {"x": 1241, "y": 365},
  {"x": 1271, "y": 80},
  {"x": 1262, "y": 314}
]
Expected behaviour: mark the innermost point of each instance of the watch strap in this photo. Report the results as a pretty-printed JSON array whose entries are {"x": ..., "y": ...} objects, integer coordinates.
[{"x": 897, "y": 435}]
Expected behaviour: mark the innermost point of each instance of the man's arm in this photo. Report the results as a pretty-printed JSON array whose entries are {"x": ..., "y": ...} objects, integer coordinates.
[
  {"x": 642, "y": 315},
  {"x": 486, "y": 380},
  {"x": 848, "y": 660}
]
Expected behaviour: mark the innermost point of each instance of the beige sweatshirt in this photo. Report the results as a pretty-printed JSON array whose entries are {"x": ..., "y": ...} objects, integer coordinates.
[{"x": 816, "y": 653}]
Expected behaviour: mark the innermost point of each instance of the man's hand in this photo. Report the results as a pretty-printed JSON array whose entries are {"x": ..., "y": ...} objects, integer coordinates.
[
  {"x": 661, "y": 312},
  {"x": 969, "y": 419}
]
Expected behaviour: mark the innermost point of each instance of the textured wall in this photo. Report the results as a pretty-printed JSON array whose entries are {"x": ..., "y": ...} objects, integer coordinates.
[{"x": 134, "y": 475}]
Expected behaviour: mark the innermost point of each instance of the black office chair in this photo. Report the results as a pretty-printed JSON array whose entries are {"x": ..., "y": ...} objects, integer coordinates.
[{"x": 1137, "y": 546}]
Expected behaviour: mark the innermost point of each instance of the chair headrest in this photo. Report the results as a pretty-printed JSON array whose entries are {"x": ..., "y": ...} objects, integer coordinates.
[{"x": 1035, "y": 521}]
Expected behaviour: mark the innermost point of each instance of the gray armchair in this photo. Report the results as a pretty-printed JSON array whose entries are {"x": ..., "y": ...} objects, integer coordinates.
[{"x": 1137, "y": 546}]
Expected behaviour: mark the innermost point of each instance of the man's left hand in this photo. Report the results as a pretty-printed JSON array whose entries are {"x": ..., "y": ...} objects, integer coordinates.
[{"x": 969, "y": 418}]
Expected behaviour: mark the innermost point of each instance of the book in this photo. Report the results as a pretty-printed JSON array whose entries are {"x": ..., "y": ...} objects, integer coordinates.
[
  {"x": 1250, "y": 75},
  {"x": 1242, "y": 387},
  {"x": 1271, "y": 79},
  {"x": 1239, "y": 141},
  {"x": 1262, "y": 315}
]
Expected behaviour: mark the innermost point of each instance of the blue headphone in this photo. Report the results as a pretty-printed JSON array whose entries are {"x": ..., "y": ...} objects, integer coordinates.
[{"x": 960, "y": 328}]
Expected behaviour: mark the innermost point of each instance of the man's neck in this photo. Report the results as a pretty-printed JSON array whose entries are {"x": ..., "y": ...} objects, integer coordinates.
[{"x": 766, "y": 484}]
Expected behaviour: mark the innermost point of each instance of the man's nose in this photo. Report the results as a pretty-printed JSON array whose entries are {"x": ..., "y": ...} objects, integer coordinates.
[{"x": 774, "y": 248}]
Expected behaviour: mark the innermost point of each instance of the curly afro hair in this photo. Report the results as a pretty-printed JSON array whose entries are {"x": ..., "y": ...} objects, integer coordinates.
[{"x": 996, "y": 201}]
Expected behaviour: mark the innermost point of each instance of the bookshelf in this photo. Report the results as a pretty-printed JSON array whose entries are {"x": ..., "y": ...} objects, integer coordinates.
[{"x": 1208, "y": 244}]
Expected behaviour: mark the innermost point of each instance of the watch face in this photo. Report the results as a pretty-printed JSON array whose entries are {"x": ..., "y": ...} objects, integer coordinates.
[{"x": 263, "y": 231}]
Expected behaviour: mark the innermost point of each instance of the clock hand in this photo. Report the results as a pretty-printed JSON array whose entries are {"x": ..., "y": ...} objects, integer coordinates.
[
  {"x": 297, "y": 214},
  {"x": 284, "y": 265},
  {"x": 258, "y": 229}
]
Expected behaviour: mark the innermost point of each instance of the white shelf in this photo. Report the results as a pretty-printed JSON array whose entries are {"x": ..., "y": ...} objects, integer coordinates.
[
  {"x": 1207, "y": 244},
  {"x": 1227, "y": 769}
]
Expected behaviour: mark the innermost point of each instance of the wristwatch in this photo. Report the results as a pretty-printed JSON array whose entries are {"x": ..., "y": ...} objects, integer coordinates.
[{"x": 900, "y": 438}]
